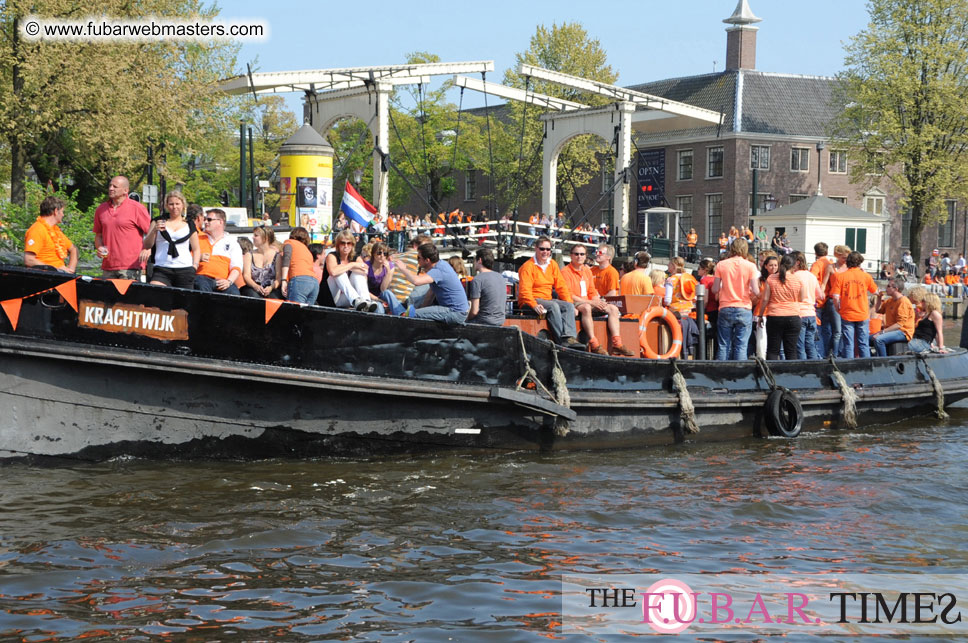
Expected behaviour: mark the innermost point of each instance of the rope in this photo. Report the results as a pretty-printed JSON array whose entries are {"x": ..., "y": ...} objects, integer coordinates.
[
  {"x": 558, "y": 382},
  {"x": 529, "y": 372},
  {"x": 938, "y": 390},
  {"x": 767, "y": 373},
  {"x": 686, "y": 408},
  {"x": 847, "y": 394}
]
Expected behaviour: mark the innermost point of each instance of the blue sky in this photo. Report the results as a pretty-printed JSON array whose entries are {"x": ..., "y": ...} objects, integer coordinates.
[{"x": 645, "y": 40}]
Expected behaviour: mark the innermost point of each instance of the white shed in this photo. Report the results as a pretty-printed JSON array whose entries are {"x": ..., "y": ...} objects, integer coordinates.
[{"x": 817, "y": 218}]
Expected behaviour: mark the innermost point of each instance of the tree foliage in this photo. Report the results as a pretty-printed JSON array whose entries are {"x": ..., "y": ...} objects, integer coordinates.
[
  {"x": 569, "y": 49},
  {"x": 80, "y": 112},
  {"x": 905, "y": 104}
]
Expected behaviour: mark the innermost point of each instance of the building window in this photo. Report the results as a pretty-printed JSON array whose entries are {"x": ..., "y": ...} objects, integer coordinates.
[
  {"x": 760, "y": 203},
  {"x": 684, "y": 205},
  {"x": 906, "y": 228},
  {"x": 685, "y": 165},
  {"x": 838, "y": 161},
  {"x": 874, "y": 204},
  {"x": 714, "y": 215},
  {"x": 856, "y": 239},
  {"x": 797, "y": 197},
  {"x": 714, "y": 163},
  {"x": 470, "y": 185},
  {"x": 800, "y": 159},
  {"x": 946, "y": 230},
  {"x": 839, "y": 199},
  {"x": 759, "y": 157}
]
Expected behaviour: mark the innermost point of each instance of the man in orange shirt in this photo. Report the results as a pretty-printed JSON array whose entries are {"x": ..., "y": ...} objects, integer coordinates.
[
  {"x": 533, "y": 222},
  {"x": 221, "y": 256},
  {"x": 735, "y": 285},
  {"x": 538, "y": 277},
  {"x": 606, "y": 276},
  {"x": 691, "y": 240},
  {"x": 898, "y": 317},
  {"x": 849, "y": 291},
  {"x": 587, "y": 301},
  {"x": 45, "y": 244},
  {"x": 831, "y": 328},
  {"x": 638, "y": 281}
]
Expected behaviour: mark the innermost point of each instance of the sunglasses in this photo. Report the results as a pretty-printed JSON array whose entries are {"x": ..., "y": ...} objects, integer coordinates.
[
  {"x": 545, "y": 249},
  {"x": 210, "y": 219},
  {"x": 347, "y": 243}
]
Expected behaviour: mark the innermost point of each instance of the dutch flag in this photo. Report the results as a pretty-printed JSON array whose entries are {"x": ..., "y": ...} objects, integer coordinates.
[{"x": 355, "y": 207}]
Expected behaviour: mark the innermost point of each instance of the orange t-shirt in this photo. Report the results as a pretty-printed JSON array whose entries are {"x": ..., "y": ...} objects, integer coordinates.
[
  {"x": 580, "y": 282},
  {"x": 535, "y": 283},
  {"x": 217, "y": 266},
  {"x": 48, "y": 243},
  {"x": 734, "y": 276},
  {"x": 692, "y": 240},
  {"x": 818, "y": 269},
  {"x": 605, "y": 280},
  {"x": 784, "y": 297},
  {"x": 900, "y": 312},
  {"x": 301, "y": 262},
  {"x": 637, "y": 282},
  {"x": 853, "y": 285}
]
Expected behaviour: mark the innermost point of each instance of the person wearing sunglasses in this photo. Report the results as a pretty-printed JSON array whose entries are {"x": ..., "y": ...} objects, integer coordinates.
[
  {"x": 539, "y": 277},
  {"x": 589, "y": 304}
]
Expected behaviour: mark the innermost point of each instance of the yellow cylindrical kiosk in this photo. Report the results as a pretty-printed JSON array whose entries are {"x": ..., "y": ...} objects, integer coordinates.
[{"x": 306, "y": 181}]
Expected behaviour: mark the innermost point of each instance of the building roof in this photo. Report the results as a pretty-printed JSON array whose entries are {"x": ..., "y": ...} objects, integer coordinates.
[
  {"x": 820, "y": 207},
  {"x": 752, "y": 102}
]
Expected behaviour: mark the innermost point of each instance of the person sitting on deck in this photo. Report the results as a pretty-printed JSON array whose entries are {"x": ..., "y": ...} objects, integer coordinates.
[
  {"x": 346, "y": 276},
  {"x": 928, "y": 328},
  {"x": 221, "y": 258},
  {"x": 638, "y": 282},
  {"x": 898, "y": 314},
  {"x": 588, "y": 303},
  {"x": 539, "y": 277},
  {"x": 45, "y": 245},
  {"x": 487, "y": 292},
  {"x": 299, "y": 283},
  {"x": 606, "y": 276},
  {"x": 401, "y": 294},
  {"x": 452, "y": 304}
]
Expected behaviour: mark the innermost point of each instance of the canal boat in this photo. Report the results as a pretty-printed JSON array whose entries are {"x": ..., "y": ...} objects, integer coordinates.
[{"x": 92, "y": 369}]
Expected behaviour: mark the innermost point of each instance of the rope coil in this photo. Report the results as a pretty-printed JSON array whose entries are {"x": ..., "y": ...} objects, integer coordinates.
[
  {"x": 847, "y": 394},
  {"x": 686, "y": 408}
]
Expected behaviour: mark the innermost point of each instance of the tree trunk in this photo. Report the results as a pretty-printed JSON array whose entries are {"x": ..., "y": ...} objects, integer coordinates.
[{"x": 917, "y": 227}]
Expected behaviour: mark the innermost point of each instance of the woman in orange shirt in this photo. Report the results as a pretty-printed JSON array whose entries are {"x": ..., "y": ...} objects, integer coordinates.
[
  {"x": 781, "y": 298},
  {"x": 300, "y": 284}
]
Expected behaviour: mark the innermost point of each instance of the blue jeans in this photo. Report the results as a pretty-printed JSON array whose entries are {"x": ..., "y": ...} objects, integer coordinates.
[
  {"x": 733, "y": 328},
  {"x": 439, "y": 313},
  {"x": 392, "y": 303},
  {"x": 855, "y": 332},
  {"x": 207, "y": 284},
  {"x": 561, "y": 317},
  {"x": 918, "y": 345},
  {"x": 881, "y": 341},
  {"x": 303, "y": 289},
  {"x": 807, "y": 344},
  {"x": 831, "y": 331}
]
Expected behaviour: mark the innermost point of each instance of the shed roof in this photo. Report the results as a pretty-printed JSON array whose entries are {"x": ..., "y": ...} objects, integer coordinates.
[{"x": 821, "y": 207}]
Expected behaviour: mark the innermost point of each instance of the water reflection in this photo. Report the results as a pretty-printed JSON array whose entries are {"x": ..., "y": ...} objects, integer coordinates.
[{"x": 470, "y": 547}]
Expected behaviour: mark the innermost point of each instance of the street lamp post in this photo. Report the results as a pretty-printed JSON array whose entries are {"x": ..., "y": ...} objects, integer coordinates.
[{"x": 820, "y": 146}]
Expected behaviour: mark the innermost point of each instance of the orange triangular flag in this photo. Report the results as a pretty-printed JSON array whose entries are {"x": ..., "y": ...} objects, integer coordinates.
[
  {"x": 12, "y": 308},
  {"x": 272, "y": 305},
  {"x": 68, "y": 291},
  {"x": 121, "y": 284}
]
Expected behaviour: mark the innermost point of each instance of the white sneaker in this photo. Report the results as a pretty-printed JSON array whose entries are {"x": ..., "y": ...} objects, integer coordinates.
[{"x": 361, "y": 305}]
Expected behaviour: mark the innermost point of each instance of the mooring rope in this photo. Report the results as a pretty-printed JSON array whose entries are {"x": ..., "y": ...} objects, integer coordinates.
[
  {"x": 767, "y": 372},
  {"x": 530, "y": 373},
  {"x": 686, "y": 408},
  {"x": 847, "y": 394},
  {"x": 938, "y": 390}
]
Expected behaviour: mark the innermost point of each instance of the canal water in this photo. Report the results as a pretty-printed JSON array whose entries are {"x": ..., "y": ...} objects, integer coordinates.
[{"x": 456, "y": 547}]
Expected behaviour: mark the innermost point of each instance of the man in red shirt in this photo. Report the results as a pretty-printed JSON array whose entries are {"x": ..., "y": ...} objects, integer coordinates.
[
  {"x": 120, "y": 225},
  {"x": 581, "y": 283}
]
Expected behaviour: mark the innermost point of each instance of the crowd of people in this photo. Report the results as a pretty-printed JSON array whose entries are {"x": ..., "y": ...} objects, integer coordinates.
[{"x": 764, "y": 302}]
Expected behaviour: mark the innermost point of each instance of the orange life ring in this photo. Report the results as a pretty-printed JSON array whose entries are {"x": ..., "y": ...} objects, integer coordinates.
[{"x": 664, "y": 315}]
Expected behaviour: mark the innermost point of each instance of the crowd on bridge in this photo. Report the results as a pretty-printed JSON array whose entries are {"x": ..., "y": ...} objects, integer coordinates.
[{"x": 760, "y": 301}]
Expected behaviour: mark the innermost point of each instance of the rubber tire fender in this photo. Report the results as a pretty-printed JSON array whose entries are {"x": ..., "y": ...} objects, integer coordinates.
[{"x": 784, "y": 414}]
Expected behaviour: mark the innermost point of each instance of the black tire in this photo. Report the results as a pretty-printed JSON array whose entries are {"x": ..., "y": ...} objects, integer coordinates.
[{"x": 784, "y": 415}]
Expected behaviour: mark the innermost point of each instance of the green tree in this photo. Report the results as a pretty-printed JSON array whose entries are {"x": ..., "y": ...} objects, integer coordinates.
[
  {"x": 79, "y": 112},
  {"x": 427, "y": 143},
  {"x": 905, "y": 104},
  {"x": 569, "y": 49}
]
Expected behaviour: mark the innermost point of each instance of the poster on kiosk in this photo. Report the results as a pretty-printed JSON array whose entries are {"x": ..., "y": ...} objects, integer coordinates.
[{"x": 306, "y": 190}]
